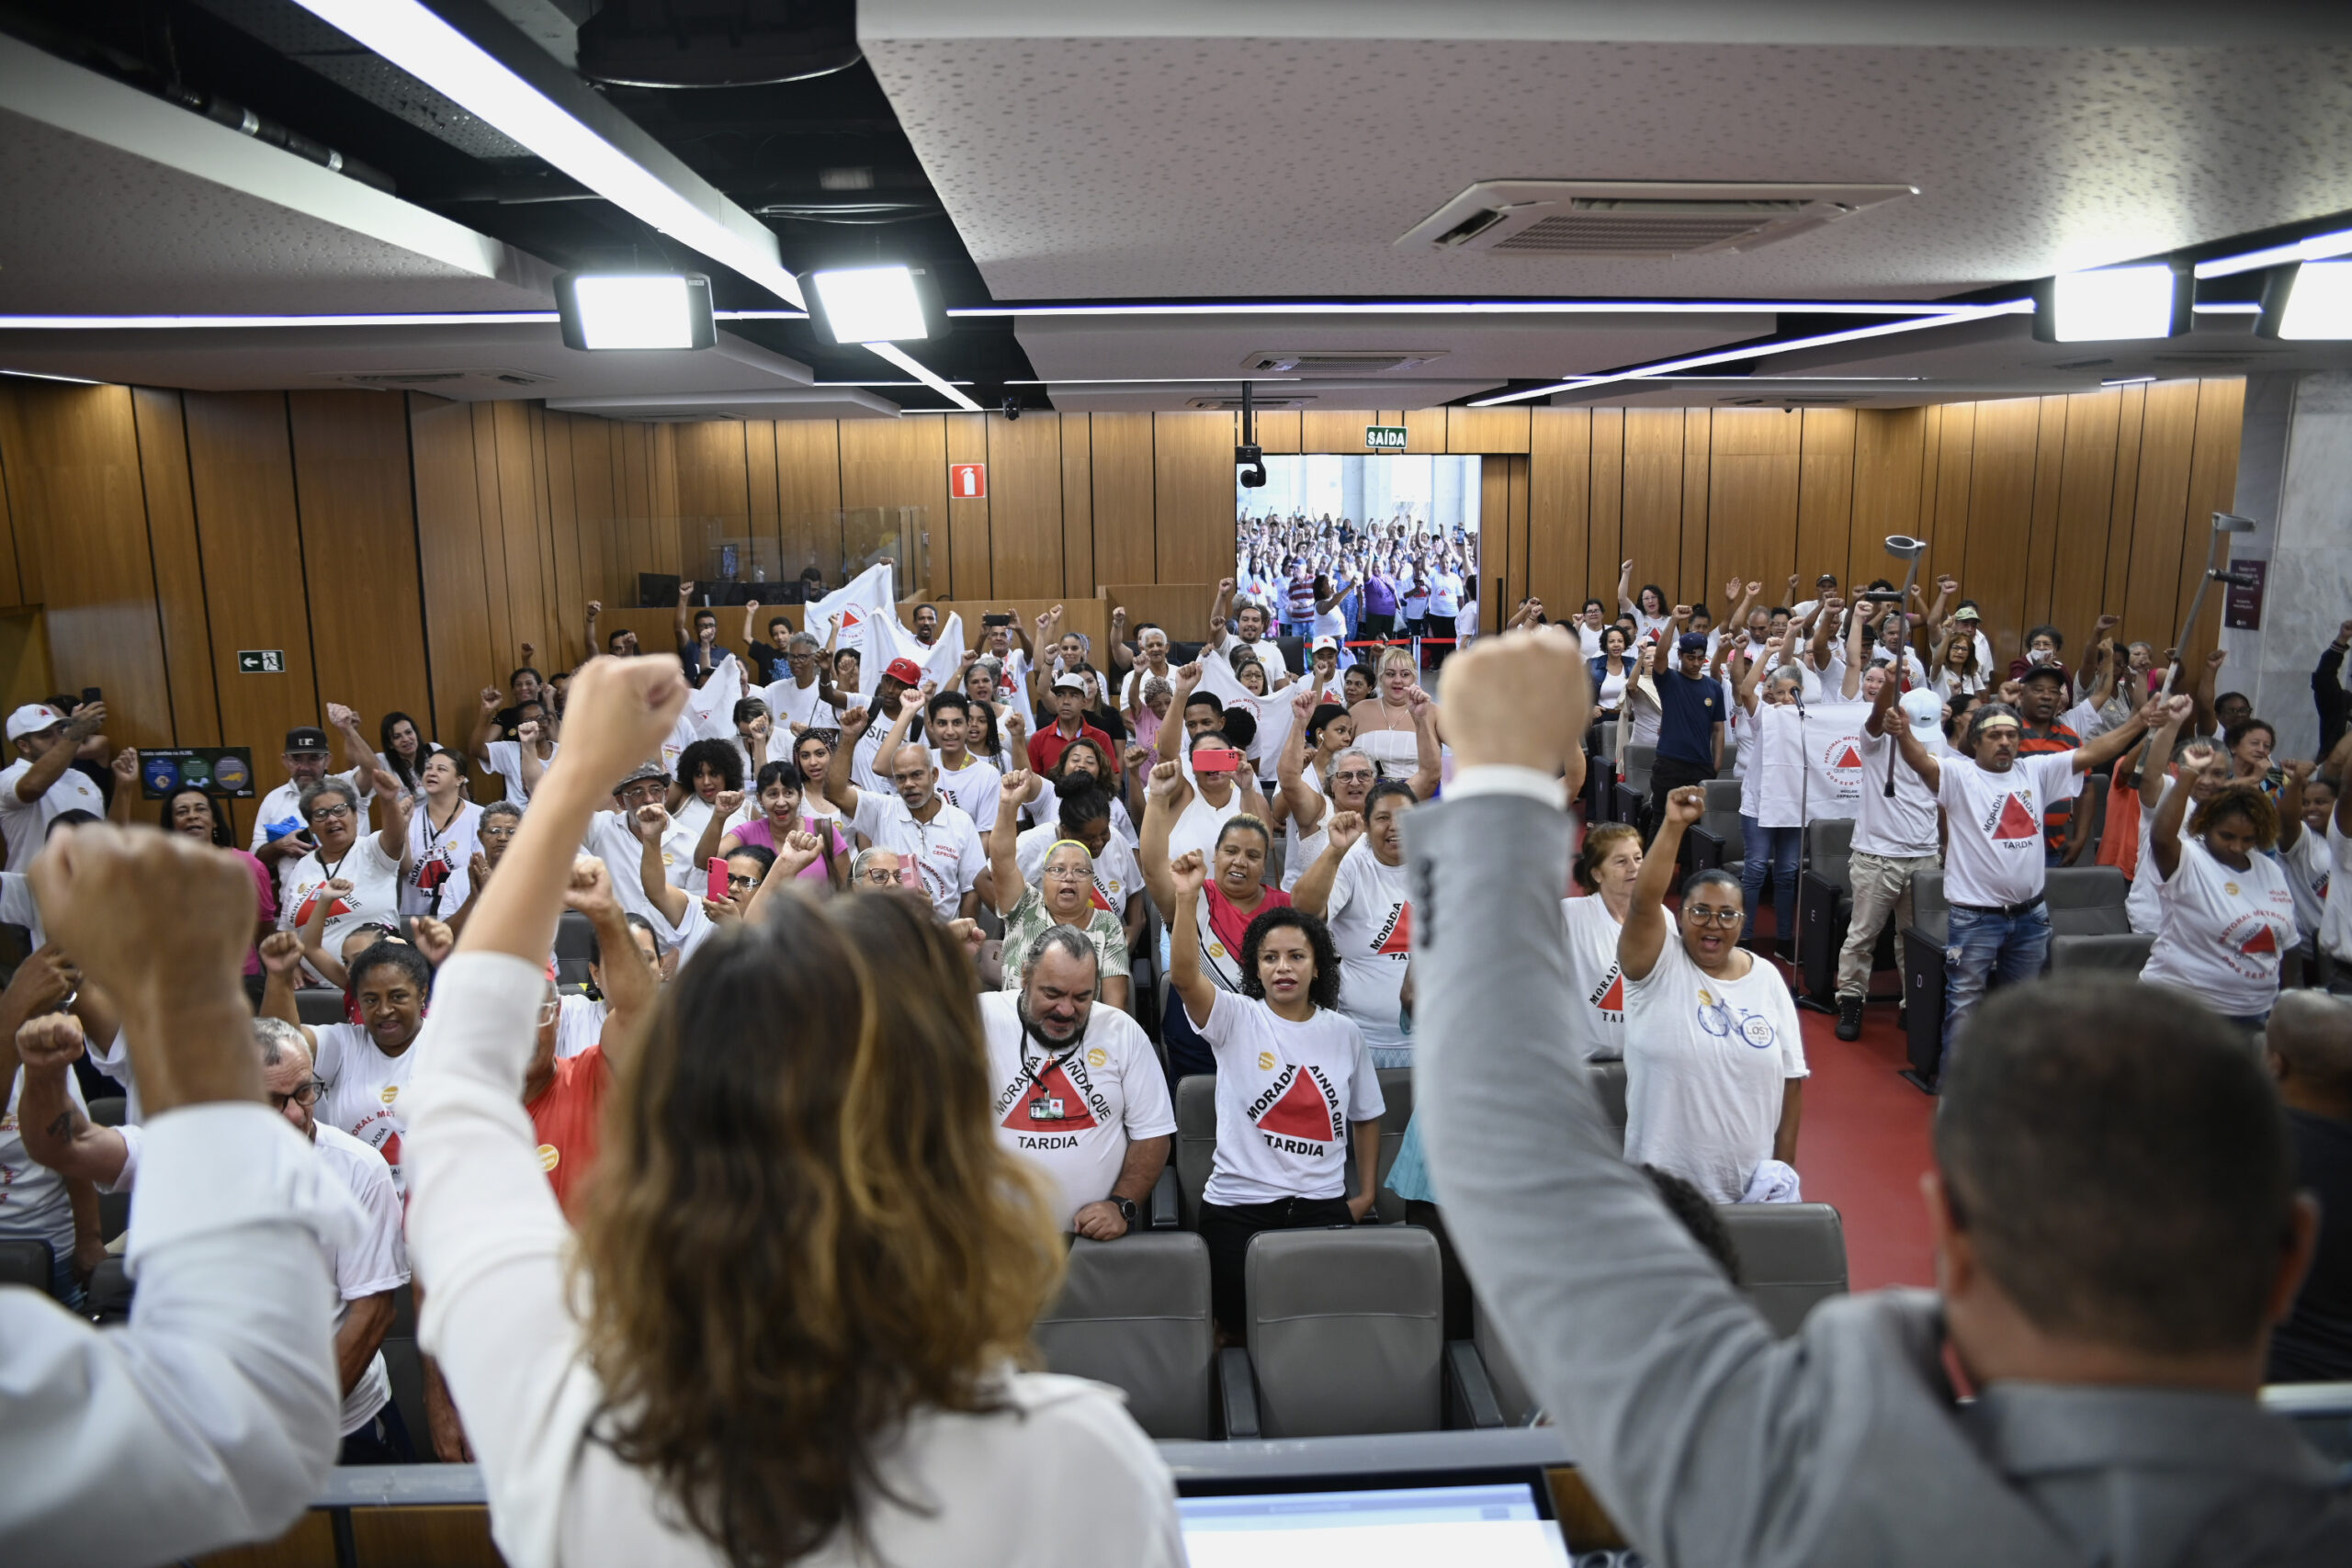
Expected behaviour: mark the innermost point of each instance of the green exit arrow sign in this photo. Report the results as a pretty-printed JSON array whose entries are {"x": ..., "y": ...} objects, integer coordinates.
[
  {"x": 261, "y": 661},
  {"x": 1383, "y": 437}
]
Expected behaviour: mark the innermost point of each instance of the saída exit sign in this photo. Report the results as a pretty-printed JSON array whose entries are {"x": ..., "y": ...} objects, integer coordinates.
[{"x": 1383, "y": 437}]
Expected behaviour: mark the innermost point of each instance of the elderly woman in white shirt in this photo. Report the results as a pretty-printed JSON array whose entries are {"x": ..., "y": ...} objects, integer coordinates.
[{"x": 763, "y": 1345}]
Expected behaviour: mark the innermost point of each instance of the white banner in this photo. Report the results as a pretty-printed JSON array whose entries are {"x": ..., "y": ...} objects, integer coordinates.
[
  {"x": 709, "y": 713},
  {"x": 1833, "y": 760}
]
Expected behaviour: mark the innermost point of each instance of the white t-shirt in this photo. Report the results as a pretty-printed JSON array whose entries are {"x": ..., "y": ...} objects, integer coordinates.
[
  {"x": 374, "y": 879},
  {"x": 34, "y": 1205},
  {"x": 24, "y": 822},
  {"x": 1706, "y": 1065},
  {"x": 1371, "y": 918},
  {"x": 375, "y": 1263},
  {"x": 1445, "y": 593},
  {"x": 1588, "y": 638},
  {"x": 678, "y": 841},
  {"x": 976, "y": 787},
  {"x": 1045, "y": 811},
  {"x": 791, "y": 703},
  {"x": 17, "y": 907},
  {"x": 580, "y": 1021},
  {"x": 504, "y": 758},
  {"x": 2307, "y": 866},
  {"x": 1901, "y": 826},
  {"x": 452, "y": 849},
  {"x": 610, "y": 839},
  {"x": 1596, "y": 1026},
  {"x": 1285, "y": 1093},
  {"x": 2335, "y": 926},
  {"x": 1266, "y": 651},
  {"x": 1073, "y": 1114},
  {"x": 946, "y": 848},
  {"x": 1198, "y": 824},
  {"x": 363, "y": 1091},
  {"x": 2223, "y": 929},
  {"x": 1131, "y": 687},
  {"x": 1995, "y": 855},
  {"x": 1117, "y": 876},
  {"x": 282, "y": 809},
  {"x": 2145, "y": 905}
]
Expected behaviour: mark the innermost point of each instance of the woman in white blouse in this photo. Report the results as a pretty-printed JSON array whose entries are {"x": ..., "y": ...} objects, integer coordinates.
[{"x": 763, "y": 1345}]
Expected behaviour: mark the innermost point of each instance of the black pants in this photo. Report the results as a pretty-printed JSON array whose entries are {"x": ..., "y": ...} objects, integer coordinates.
[
  {"x": 1666, "y": 775},
  {"x": 1227, "y": 1228},
  {"x": 1372, "y": 628},
  {"x": 382, "y": 1441}
]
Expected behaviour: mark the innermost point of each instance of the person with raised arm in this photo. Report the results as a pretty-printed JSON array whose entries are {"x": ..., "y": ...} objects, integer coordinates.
[
  {"x": 616, "y": 1424},
  {"x": 1236, "y": 894},
  {"x": 2111, "y": 1205},
  {"x": 912, "y": 818},
  {"x": 1063, "y": 895}
]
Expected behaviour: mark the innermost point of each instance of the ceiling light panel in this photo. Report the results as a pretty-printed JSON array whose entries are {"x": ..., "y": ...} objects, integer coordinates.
[
  {"x": 870, "y": 304},
  {"x": 627, "y": 311},
  {"x": 2318, "y": 302},
  {"x": 2114, "y": 304}
]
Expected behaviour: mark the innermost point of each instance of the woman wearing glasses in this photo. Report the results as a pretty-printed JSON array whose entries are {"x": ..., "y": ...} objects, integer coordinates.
[
  {"x": 1714, "y": 1067},
  {"x": 1064, "y": 897},
  {"x": 369, "y": 865}
]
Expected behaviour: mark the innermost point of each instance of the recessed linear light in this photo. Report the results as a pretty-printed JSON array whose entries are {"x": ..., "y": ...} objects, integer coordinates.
[
  {"x": 923, "y": 373},
  {"x": 412, "y": 37},
  {"x": 386, "y": 318},
  {"x": 1479, "y": 308},
  {"x": 44, "y": 376},
  {"x": 2125, "y": 381},
  {"x": 2230, "y": 308},
  {"x": 1951, "y": 315},
  {"x": 1162, "y": 380},
  {"x": 1759, "y": 380},
  {"x": 2317, "y": 247}
]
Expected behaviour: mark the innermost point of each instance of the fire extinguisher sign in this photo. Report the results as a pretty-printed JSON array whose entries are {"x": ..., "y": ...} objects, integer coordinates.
[{"x": 968, "y": 481}]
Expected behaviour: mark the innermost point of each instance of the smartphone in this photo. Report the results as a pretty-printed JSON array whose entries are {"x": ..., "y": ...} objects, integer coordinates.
[
  {"x": 996, "y": 620},
  {"x": 1216, "y": 760},
  {"x": 718, "y": 883},
  {"x": 90, "y": 694}
]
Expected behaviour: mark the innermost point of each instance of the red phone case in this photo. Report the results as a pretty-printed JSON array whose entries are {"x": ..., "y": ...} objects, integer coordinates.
[{"x": 718, "y": 883}]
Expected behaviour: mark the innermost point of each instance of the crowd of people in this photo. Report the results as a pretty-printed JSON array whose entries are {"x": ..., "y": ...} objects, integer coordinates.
[{"x": 892, "y": 978}]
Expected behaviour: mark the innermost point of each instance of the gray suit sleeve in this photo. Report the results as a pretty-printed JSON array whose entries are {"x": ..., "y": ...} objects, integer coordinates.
[{"x": 1666, "y": 1382}]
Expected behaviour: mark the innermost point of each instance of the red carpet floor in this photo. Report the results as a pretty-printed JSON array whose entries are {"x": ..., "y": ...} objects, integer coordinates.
[{"x": 1863, "y": 1144}]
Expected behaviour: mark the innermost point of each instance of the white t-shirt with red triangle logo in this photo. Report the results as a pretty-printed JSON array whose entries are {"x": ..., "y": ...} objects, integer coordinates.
[
  {"x": 2223, "y": 930},
  {"x": 363, "y": 1090},
  {"x": 1596, "y": 1023},
  {"x": 374, "y": 879},
  {"x": 1993, "y": 854},
  {"x": 1285, "y": 1093},
  {"x": 1074, "y": 1114},
  {"x": 1372, "y": 925}
]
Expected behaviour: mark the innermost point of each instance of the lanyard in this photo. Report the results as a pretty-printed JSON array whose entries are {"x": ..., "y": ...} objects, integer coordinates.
[{"x": 1043, "y": 1107}]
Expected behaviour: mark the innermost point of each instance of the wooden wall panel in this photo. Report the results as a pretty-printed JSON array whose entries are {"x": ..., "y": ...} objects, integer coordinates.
[
  {"x": 1752, "y": 511},
  {"x": 1278, "y": 430},
  {"x": 596, "y": 500},
  {"x": 1026, "y": 506},
  {"x": 449, "y": 532},
  {"x": 898, "y": 462},
  {"x": 180, "y": 568},
  {"x": 1330, "y": 430},
  {"x": 2085, "y": 491},
  {"x": 1192, "y": 488},
  {"x": 1651, "y": 524},
  {"x": 491, "y": 505},
  {"x": 759, "y": 462},
  {"x": 358, "y": 524},
  {"x": 1604, "y": 537},
  {"x": 1489, "y": 430},
  {"x": 1552, "y": 563},
  {"x": 1945, "y": 511},
  {"x": 250, "y": 536},
  {"x": 72, "y": 461},
  {"x": 2049, "y": 484},
  {"x": 2130, "y": 428},
  {"x": 568, "y": 535},
  {"x": 1826, "y": 462},
  {"x": 2212, "y": 484},
  {"x": 1077, "y": 505},
  {"x": 1496, "y": 526},
  {"x": 1495, "y": 603},
  {"x": 1890, "y": 447},
  {"x": 25, "y": 531},
  {"x": 2000, "y": 509},
  {"x": 1124, "y": 548},
  {"x": 1425, "y": 429},
  {"x": 808, "y": 493},
  {"x": 1698, "y": 562},
  {"x": 968, "y": 522},
  {"x": 12, "y": 587},
  {"x": 2152, "y": 591}
]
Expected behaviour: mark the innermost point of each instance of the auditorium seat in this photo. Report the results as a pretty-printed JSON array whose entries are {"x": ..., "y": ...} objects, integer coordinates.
[
  {"x": 1396, "y": 1093},
  {"x": 319, "y": 1006},
  {"x": 1719, "y": 841},
  {"x": 1634, "y": 790},
  {"x": 1923, "y": 973},
  {"x": 1346, "y": 1332},
  {"x": 1792, "y": 1256},
  {"x": 1195, "y": 1143},
  {"x": 1825, "y": 910},
  {"x": 2091, "y": 807},
  {"x": 1135, "y": 1313},
  {"x": 2089, "y": 927},
  {"x": 27, "y": 1261},
  {"x": 572, "y": 936},
  {"x": 1609, "y": 1087},
  {"x": 108, "y": 1111},
  {"x": 1513, "y": 1399}
]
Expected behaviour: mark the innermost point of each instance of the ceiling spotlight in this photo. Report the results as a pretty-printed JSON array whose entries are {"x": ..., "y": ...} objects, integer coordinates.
[
  {"x": 2112, "y": 304},
  {"x": 607, "y": 310},
  {"x": 2310, "y": 301},
  {"x": 871, "y": 304}
]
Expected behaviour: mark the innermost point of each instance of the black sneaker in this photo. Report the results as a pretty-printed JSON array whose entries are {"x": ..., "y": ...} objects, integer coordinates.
[{"x": 1849, "y": 1017}]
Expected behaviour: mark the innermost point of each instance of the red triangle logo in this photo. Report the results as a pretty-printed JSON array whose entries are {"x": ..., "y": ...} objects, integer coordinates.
[
  {"x": 1400, "y": 937},
  {"x": 2016, "y": 821},
  {"x": 1613, "y": 999},
  {"x": 852, "y": 620},
  {"x": 1300, "y": 1113},
  {"x": 1094, "y": 894},
  {"x": 1849, "y": 758},
  {"x": 2262, "y": 941},
  {"x": 302, "y": 910},
  {"x": 1076, "y": 1116}
]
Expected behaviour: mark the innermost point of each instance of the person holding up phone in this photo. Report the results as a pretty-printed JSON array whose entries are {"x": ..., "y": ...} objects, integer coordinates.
[
  {"x": 42, "y": 781},
  {"x": 280, "y": 835}
]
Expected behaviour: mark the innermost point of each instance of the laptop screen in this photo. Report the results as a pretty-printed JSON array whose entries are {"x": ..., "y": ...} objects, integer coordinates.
[{"x": 1497, "y": 1525}]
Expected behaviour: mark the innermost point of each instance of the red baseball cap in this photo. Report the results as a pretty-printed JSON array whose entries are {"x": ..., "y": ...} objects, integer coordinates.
[{"x": 905, "y": 671}]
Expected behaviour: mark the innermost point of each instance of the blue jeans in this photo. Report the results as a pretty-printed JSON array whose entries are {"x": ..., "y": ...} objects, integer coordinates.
[
  {"x": 1776, "y": 850},
  {"x": 1983, "y": 946}
]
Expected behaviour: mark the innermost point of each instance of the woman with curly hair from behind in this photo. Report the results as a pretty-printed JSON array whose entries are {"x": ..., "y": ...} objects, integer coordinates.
[{"x": 788, "y": 1329}]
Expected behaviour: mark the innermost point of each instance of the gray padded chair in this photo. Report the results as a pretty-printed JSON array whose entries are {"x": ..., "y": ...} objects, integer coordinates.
[
  {"x": 1347, "y": 1332},
  {"x": 1609, "y": 1086},
  {"x": 1195, "y": 1143},
  {"x": 2089, "y": 928},
  {"x": 27, "y": 1261},
  {"x": 1719, "y": 842},
  {"x": 1826, "y": 909},
  {"x": 108, "y": 1111},
  {"x": 1135, "y": 1313},
  {"x": 1792, "y": 1256},
  {"x": 319, "y": 1006},
  {"x": 572, "y": 936},
  {"x": 1633, "y": 792},
  {"x": 1396, "y": 1093},
  {"x": 1923, "y": 973},
  {"x": 1515, "y": 1398}
]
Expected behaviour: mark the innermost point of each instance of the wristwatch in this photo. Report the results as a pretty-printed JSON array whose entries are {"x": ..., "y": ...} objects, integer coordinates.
[{"x": 1127, "y": 1209}]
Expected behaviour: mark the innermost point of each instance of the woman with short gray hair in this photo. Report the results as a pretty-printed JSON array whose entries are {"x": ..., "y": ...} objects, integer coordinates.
[{"x": 1064, "y": 897}]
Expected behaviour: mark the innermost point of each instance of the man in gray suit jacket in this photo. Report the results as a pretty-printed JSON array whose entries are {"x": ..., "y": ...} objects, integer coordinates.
[{"x": 2112, "y": 1209}]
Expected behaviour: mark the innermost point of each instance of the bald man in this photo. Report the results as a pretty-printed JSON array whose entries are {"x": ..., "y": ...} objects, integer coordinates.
[{"x": 2309, "y": 1041}]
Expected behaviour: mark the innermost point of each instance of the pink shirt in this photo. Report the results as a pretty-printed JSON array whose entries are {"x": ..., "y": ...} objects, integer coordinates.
[
  {"x": 757, "y": 831},
  {"x": 265, "y": 890}
]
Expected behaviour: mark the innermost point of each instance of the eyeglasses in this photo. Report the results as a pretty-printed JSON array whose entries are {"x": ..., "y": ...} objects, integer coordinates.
[
  {"x": 882, "y": 878},
  {"x": 1352, "y": 776},
  {"x": 1070, "y": 873},
  {"x": 330, "y": 813},
  {"x": 737, "y": 880},
  {"x": 548, "y": 1009},
  {"x": 304, "y": 1093},
  {"x": 1701, "y": 915}
]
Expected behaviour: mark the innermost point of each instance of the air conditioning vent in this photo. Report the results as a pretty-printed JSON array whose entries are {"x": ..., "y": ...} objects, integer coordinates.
[
  {"x": 1336, "y": 361},
  {"x": 2215, "y": 358},
  {"x": 400, "y": 377},
  {"x": 485, "y": 379},
  {"x": 2075, "y": 363},
  {"x": 1257, "y": 400},
  {"x": 1635, "y": 217}
]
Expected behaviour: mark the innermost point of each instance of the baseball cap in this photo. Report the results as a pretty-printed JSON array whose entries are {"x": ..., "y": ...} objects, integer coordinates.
[
  {"x": 905, "y": 671},
  {"x": 2043, "y": 673},
  {"x": 1966, "y": 613},
  {"x": 1691, "y": 642},
  {"x": 1923, "y": 706},
  {"x": 647, "y": 770},
  {"x": 1326, "y": 640},
  {"x": 304, "y": 738},
  {"x": 33, "y": 718},
  {"x": 1068, "y": 683}
]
